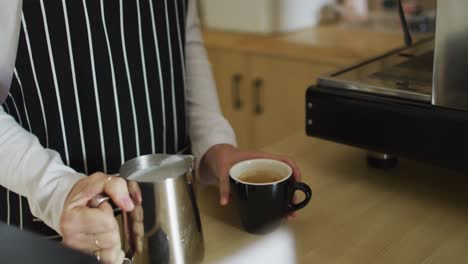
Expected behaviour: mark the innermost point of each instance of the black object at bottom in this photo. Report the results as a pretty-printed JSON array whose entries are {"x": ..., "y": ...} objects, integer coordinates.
[
  {"x": 262, "y": 207},
  {"x": 401, "y": 127},
  {"x": 382, "y": 163},
  {"x": 27, "y": 248}
]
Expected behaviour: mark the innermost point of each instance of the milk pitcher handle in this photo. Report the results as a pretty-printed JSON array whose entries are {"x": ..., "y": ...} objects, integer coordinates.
[
  {"x": 95, "y": 203},
  {"x": 100, "y": 199}
]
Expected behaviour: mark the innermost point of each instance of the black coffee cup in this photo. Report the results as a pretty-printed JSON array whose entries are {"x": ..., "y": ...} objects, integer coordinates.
[{"x": 263, "y": 190}]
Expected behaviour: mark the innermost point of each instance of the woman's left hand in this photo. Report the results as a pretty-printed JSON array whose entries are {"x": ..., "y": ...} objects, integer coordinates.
[{"x": 219, "y": 159}]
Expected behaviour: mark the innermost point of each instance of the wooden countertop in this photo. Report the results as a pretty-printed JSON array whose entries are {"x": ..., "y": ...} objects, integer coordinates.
[
  {"x": 412, "y": 214},
  {"x": 332, "y": 45}
]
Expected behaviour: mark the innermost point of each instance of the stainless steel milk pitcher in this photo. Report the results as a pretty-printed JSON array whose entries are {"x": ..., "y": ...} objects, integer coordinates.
[{"x": 165, "y": 227}]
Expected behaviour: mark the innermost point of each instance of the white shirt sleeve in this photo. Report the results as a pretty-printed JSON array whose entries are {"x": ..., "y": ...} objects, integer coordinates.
[
  {"x": 207, "y": 125},
  {"x": 37, "y": 173},
  {"x": 10, "y": 16}
]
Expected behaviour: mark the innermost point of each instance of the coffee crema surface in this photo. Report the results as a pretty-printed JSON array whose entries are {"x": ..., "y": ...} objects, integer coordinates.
[{"x": 260, "y": 176}]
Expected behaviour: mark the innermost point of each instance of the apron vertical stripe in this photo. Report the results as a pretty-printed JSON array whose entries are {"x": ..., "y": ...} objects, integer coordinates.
[
  {"x": 171, "y": 66},
  {"x": 145, "y": 78},
  {"x": 123, "y": 77},
  {"x": 129, "y": 77},
  {"x": 93, "y": 67},
  {"x": 114, "y": 84},
  {"x": 24, "y": 99},
  {"x": 181, "y": 48},
  {"x": 7, "y": 109},
  {"x": 133, "y": 51},
  {"x": 54, "y": 75},
  {"x": 181, "y": 51},
  {"x": 75, "y": 89},
  {"x": 179, "y": 63},
  {"x": 85, "y": 90},
  {"x": 16, "y": 109},
  {"x": 28, "y": 43},
  {"x": 161, "y": 81}
]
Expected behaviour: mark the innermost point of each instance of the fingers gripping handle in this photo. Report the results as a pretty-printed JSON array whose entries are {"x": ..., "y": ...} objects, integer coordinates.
[{"x": 95, "y": 203}]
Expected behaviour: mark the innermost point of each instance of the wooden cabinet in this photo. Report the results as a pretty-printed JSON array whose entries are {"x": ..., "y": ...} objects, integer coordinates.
[
  {"x": 278, "y": 90},
  {"x": 262, "y": 96},
  {"x": 262, "y": 80},
  {"x": 231, "y": 76}
]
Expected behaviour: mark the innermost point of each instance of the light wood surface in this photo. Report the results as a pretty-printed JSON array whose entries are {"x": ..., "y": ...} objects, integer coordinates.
[
  {"x": 415, "y": 213},
  {"x": 325, "y": 44}
]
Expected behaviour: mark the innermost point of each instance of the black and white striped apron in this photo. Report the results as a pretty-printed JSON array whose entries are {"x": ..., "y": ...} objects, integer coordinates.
[{"x": 99, "y": 81}]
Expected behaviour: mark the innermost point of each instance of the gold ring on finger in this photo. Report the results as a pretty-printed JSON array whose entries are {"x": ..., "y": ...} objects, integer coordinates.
[{"x": 96, "y": 242}]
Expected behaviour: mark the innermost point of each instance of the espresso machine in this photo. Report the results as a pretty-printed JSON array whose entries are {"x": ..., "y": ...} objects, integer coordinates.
[{"x": 411, "y": 102}]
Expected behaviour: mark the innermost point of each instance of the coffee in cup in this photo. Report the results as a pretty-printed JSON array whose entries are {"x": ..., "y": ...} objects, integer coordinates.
[{"x": 260, "y": 176}]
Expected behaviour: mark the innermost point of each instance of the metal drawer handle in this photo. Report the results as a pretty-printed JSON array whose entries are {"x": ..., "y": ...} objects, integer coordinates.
[
  {"x": 257, "y": 89},
  {"x": 236, "y": 97}
]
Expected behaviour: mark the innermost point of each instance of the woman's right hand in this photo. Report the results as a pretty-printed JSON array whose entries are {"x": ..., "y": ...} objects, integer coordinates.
[{"x": 95, "y": 230}]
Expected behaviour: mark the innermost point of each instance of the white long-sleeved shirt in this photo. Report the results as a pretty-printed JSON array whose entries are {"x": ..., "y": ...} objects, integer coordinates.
[{"x": 39, "y": 174}]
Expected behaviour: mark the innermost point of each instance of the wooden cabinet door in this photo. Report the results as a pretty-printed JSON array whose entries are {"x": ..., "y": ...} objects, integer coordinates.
[
  {"x": 231, "y": 75},
  {"x": 278, "y": 90}
]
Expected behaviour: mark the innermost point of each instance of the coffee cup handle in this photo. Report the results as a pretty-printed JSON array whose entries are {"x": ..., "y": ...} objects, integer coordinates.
[{"x": 300, "y": 186}]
